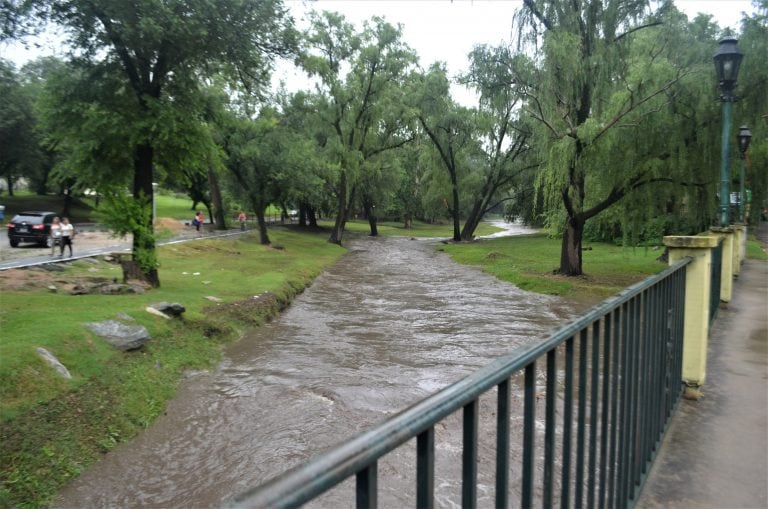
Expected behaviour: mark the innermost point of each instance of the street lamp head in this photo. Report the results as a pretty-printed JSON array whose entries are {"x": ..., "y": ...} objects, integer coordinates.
[
  {"x": 727, "y": 61},
  {"x": 744, "y": 138}
]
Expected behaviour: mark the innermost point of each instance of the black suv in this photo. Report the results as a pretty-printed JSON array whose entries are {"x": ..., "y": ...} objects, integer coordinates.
[{"x": 31, "y": 227}]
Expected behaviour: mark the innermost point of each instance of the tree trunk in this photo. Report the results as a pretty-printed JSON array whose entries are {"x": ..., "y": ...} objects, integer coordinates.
[
  {"x": 570, "y": 253},
  {"x": 455, "y": 208},
  {"x": 263, "y": 234},
  {"x": 66, "y": 209},
  {"x": 407, "y": 221},
  {"x": 370, "y": 213},
  {"x": 219, "y": 218},
  {"x": 312, "y": 217},
  {"x": 338, "y": 228},
  {"x": 470, "y": 225},
  {"x": 302, "y": 215},
  {"x": 9, "y": 180},
  {"x": 143, "y": 238}
]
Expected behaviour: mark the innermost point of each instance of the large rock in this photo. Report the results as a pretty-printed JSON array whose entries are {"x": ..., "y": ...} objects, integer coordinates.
[
  {"x": 121, "y": 336},
  {"x": 53, "y": 362},
  {"x": 169, "y": 308}
]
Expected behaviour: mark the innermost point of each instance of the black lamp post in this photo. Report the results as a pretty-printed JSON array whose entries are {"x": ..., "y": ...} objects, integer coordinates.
[
  {"x": 727, "y": 61},
  {"x": 744, "y": 138}
]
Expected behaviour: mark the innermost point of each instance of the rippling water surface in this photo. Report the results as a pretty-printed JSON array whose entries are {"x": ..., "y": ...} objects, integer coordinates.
[{"x": 392, "y": 322}]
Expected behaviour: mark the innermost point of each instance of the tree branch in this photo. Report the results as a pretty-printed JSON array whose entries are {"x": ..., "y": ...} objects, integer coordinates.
[{"x": 635, "y": 29}]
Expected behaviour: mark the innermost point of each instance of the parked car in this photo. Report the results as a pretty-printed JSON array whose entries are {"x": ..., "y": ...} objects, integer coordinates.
[{"x": 31, "y": 227}]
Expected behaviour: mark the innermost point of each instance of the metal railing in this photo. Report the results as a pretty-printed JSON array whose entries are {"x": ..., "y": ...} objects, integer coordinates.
[
  {"x": 717, "y": 270},
  {"x": 605, "y": 412}
]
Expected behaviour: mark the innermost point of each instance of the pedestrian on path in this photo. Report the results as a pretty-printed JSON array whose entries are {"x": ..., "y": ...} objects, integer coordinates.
[
  {"x": 242, "y": 218},
  {"x": 55, "y": 234},
  {"x": 199, "y": 220},
  {"x": 67, "y": 235}
]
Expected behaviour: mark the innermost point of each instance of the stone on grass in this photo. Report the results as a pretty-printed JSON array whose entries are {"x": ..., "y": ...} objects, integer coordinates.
[
  {"x": 53, "y": 362},
  {"x": 125, "y": 317},
  {"x": 213, "y": 299},
  {"x": 53, "y": 288},
  {"x": 153, "y": 311},
  {"x": 121, "y": 336},
  {"x": 169, "y": 308}
]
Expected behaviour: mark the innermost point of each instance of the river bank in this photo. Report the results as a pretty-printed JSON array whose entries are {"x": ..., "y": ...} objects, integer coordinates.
[{"x": 51, "y": 428}]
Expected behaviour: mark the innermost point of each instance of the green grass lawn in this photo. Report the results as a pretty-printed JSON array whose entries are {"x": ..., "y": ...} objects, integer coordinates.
[
  {"x": 529, "y": 261},
  {"x": 51, "y": 428},
  {"x": 419, "y": 229}
]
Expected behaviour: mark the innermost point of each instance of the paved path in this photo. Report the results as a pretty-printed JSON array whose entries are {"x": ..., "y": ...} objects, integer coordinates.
[{"x": 715, "y": 454}]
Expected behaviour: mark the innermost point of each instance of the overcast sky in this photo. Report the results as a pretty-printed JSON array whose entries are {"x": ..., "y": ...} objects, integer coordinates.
[
  {"x": 441, "y": 30},
  {"x": 437, "y": 29}
]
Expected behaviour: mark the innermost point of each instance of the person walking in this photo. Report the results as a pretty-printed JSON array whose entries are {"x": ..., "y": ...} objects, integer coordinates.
[
  {"x": 67, "y": 234},
  {"x": 199, "y": 220},
  {"x": 242, "y": 217},
  {"x": 55, "y": 234}
]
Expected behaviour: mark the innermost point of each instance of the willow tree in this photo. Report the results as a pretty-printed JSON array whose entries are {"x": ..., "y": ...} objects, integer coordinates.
[
  {"x": 602, "y": 96},
  {"x": 141, "y": 62},
  {"x": 361, "y": 76},
  {"x": 504, "y": 138},
  {"x": 451, "y": 129}
]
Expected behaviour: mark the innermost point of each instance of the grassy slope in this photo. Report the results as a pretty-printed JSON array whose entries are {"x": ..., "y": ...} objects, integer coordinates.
[
  {"x": 52, "y": 428},
  {"x": 529, "y": 261}
]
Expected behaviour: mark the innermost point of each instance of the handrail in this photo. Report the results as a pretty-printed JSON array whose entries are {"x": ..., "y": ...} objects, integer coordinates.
[{"x": 328, "y": 469}]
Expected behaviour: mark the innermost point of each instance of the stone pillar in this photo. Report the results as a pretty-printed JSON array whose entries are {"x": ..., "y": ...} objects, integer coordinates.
[
  {"x": 698, "y": 285},
  {"x": 741, "y": 243},
  {"x": 726, "y": 278}
]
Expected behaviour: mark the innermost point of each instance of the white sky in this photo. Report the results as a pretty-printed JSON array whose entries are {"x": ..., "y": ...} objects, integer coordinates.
[
  {"x": 447, "y": 30},
  {"x": 437, "y": 29}
]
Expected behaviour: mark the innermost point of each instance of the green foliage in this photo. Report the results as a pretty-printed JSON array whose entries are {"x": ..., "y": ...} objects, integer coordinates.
[{"x": 124, "y": 215}]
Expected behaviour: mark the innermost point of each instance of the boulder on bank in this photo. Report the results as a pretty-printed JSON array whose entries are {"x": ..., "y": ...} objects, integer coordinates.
[
  {"x": 173, "y": 309},
  {"x": 121, "y": 336},
  {"x": 53, "y": 362}
]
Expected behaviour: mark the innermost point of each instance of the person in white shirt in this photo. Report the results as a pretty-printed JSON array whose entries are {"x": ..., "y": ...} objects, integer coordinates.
[
  {"x": 67, "y": 234},
  {"x": 55, "y": 234}
]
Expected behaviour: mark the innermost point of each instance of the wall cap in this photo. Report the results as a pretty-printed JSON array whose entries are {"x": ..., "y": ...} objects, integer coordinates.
[
  {"x": 694, "y": 242},
  {"x": 721, "y": 229}
]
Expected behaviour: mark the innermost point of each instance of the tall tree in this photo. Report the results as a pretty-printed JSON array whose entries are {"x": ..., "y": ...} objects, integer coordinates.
[
  {"x": 504, "y": 138},
  {"x": 451, "y": 129},
  {"x": 151, "y": 54},
  {"x": 600, "y": 85},
  {"x": 359, "y": 72},
  {"x": 20, "y": 147}
]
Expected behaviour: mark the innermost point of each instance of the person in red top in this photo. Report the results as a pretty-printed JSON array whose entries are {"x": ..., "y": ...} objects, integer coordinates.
[{"x": 242, "y": 219}]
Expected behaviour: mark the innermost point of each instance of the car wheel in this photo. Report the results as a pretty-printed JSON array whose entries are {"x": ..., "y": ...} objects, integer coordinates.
[{"x": 14, "y": 242}]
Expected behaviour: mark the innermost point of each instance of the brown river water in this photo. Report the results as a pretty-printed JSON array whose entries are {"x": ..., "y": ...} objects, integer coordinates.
[{"x": 391, "y": 323}]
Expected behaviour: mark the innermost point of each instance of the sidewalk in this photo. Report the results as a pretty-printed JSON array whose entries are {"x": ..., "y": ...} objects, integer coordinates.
[{"x": 715, "y": 453}]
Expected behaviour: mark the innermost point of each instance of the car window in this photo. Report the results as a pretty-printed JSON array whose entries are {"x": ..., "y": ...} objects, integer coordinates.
[{"x": 21, "y": 218}]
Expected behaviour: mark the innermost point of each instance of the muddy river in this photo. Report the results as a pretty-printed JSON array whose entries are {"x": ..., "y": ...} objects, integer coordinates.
[{"x": 392, "y": 322}]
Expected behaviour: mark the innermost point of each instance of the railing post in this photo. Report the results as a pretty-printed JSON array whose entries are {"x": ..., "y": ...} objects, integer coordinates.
[
  {"x": 729, "y": 258},
  {"x": 698, "y": 285}
]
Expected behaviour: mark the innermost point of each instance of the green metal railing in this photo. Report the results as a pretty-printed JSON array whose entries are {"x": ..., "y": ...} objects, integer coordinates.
[
  {"x": 716, "y": 271},
  {"x": 605, "y": 412}
]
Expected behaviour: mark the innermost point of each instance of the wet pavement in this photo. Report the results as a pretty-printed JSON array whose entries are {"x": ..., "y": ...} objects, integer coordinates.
[
  {"x": 715, "y": 453},
  {"x": 392, "y": 322}
]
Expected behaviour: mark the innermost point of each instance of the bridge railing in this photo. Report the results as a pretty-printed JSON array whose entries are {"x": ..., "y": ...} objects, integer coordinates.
[{"x": 612, "y": 379}]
